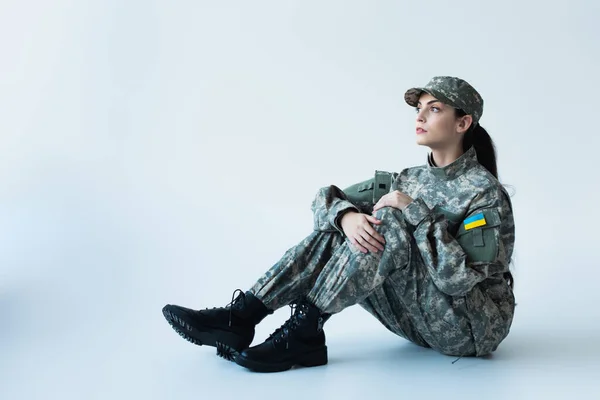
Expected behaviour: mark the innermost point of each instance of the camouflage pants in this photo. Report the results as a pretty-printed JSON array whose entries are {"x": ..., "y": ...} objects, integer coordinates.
[{"x": 393, "y": 285}]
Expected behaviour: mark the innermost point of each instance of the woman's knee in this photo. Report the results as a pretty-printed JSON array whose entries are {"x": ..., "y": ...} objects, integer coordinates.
[
  {"x": 388, "y": 213},
  {"x": 391, "y": 219}
]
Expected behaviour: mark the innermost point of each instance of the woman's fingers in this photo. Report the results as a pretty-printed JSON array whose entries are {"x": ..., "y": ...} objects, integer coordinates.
[
  {"x": 357, "y": 245},
  {"x": 365, "y": 243},
  {"x": 375, "y": 237},
  {"x": 364, "y": 237},
  {"x": 372, "y": 219},
  {"x": 380, "y": 204}
]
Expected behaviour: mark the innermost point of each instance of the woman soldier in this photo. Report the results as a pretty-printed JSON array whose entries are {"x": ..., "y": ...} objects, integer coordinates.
[{"x": 426, "y": 251}]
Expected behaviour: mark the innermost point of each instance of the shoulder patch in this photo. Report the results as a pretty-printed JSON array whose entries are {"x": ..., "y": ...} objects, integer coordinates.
[
  {"x": 483, "y": 219},
  {"x": 479, "y": 236},
  {"x": 475, "y": 221}
]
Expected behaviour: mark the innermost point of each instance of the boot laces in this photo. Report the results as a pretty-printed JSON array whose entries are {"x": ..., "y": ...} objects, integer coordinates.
[
  {"x": 297, "y": 313},
  {"x": 236, "y": 302}
]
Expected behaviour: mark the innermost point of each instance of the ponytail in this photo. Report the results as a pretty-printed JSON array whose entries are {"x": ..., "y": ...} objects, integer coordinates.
[{"x": 478, "y": 137}]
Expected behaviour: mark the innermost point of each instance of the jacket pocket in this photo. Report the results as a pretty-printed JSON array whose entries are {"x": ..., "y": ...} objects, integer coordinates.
[
  {"x": 360, "y": 193},
  {"x": 382, "y": 184}
]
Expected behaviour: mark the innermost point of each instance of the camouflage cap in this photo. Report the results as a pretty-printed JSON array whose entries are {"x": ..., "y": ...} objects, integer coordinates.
[{"x": 452, "y": 91}]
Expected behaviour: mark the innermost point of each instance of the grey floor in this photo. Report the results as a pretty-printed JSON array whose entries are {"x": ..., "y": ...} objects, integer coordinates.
[{"x": 125, "y": 353}]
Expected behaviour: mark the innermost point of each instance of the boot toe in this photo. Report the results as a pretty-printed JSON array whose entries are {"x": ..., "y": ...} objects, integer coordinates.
[{"x": 177, "y": 309}]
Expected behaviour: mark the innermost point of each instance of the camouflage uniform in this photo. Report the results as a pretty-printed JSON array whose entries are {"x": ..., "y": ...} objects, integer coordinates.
[{"x": 440, "y": 281}]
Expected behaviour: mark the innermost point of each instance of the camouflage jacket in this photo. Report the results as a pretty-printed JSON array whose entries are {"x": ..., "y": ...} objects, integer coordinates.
[{"x": 463, "y": 229}]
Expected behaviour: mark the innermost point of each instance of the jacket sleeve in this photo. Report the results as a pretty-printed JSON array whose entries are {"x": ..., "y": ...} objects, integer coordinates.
[
  {"x": 328, "y": 206},
  {"x": 331, "y": 203},
  {"x": 481, "y": 248}
]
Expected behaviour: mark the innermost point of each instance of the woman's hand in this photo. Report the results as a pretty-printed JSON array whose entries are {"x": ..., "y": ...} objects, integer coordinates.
[
  {"x": 395, "y": 199},
  {"x": 362, "y": 235}
]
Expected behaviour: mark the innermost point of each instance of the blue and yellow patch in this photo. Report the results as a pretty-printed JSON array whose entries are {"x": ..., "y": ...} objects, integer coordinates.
[{"x": 474, "y": 221}]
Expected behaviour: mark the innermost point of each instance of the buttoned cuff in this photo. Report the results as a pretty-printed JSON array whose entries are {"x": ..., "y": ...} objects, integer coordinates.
[{"x": 416, "y": 211}]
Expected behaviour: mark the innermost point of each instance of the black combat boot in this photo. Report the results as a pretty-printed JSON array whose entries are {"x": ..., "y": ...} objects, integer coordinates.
[
  {"x": 299, "y": 341},
  {"x": 230, "y": 329}
]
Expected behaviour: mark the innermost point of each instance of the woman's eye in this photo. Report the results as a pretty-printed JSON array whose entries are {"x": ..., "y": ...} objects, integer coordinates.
[
  {"x": 435, "y": 109},
  {"x": 417, "y": 110}
]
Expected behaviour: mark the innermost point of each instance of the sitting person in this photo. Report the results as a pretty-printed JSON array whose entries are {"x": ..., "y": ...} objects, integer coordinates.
[{"x": 426, "y": 251}]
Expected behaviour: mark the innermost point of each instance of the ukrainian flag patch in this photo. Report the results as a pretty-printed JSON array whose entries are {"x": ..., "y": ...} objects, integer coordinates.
[{"x": 474, "y": 221}]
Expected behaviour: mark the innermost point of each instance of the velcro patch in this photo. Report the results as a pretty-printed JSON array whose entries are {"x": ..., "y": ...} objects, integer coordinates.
[{"x": 475, "y": 221}]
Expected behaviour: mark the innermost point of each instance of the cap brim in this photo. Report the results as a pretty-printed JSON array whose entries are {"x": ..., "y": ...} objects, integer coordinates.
[{"x": 412, "y": 96}]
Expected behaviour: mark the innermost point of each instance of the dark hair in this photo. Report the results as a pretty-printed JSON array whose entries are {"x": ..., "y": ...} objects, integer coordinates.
[{"x": 478, "y": 137}]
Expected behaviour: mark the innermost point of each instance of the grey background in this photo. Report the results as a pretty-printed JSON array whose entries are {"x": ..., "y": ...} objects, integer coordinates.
[{"x": 159, "y": 152}]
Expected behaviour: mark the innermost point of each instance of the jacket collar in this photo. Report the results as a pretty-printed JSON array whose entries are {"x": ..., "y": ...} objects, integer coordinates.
[{"x": 455, "y": 168}]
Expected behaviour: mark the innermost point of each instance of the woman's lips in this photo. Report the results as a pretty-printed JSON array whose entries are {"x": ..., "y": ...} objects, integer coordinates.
[{"x": 420, "y": 130}]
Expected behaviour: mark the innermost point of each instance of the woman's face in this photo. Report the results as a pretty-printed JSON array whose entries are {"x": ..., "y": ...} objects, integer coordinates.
[{"x": 437, "y": 125}]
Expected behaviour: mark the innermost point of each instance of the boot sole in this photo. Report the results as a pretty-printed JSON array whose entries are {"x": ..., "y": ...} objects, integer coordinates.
[
  {"x": 228, "y": 344},
  {"x": 315, "y": 358}
]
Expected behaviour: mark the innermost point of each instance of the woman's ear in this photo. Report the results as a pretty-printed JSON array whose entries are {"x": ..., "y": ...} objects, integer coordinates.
[{"x": 464, "y": 123}]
